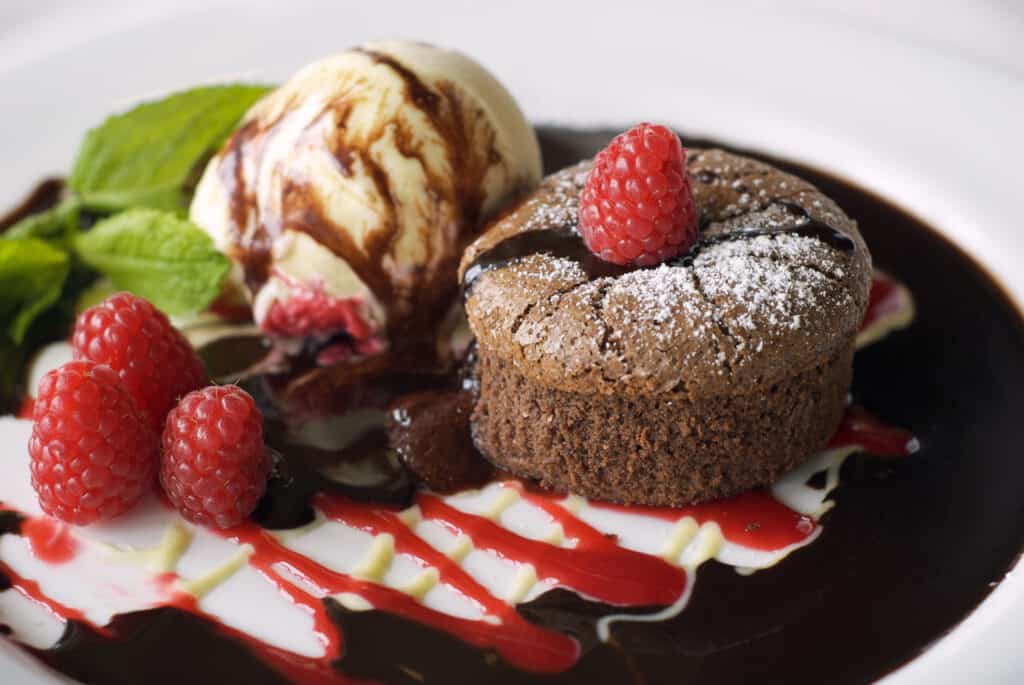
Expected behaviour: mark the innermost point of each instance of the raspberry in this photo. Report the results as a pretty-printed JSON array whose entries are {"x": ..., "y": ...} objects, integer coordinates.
[
  {"x": 93, "y": 451},
  {"x": 637, "y": 206},
  {"x": 310, "y": 311},
  {"x": 154, "y": 360},
  {"x": 213, "y": 465}
]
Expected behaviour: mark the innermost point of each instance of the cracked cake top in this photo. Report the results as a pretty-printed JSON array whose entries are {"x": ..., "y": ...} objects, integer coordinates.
[{"x": 777, "y": 284}]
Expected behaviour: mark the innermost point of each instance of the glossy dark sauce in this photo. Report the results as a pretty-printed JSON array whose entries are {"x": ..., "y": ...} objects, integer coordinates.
[
  {"x": 429, "y": 431},
  {"x": 563, "y": 242},
  {"x": 911, "y": 547},
  {"x": 300, "y": 468},
  {"x": 10, "y": 522},
  {"x": 803, "y": 225},
  {"x": 162, "y": 646},
  {"x": 45, "y": 195}
]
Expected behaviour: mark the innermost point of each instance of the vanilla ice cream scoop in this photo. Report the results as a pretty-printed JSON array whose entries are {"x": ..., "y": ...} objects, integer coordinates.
[{"x": 347, "y": 195}]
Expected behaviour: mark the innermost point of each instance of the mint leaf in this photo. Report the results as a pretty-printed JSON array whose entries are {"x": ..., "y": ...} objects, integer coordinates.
[
  {"x": 32, "y": 274},
  {"x": 99, "y": 290},
  {"x": 166, "y": 259},
  {"x": 151, "y": 155},
  {"x": 57, "y": 224},
  {"x": 52, "y": 325}
]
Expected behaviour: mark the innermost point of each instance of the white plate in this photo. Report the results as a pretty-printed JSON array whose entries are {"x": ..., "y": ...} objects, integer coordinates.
[{"x": 936, "y": 130}]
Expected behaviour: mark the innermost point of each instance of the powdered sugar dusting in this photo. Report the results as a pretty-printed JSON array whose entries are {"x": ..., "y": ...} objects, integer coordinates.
[
  {"x": 546, "y": 276},
  {"x": 549, "y": 269},
  {"x": 734, "y": 296},
  {"x": 656, "y": 298},
  {"x": 758, "y": 281},
  {"x": 762, "y": 278},
  {"x": 560, "y": 205},
  {"x": 754, "y": 295}
]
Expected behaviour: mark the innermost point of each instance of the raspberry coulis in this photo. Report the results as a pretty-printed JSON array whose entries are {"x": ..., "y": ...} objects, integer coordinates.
[
  {"x": 885, "y": 299},
  {"x": 51, "y": 540},
  {"x": 594, "y": 565}
]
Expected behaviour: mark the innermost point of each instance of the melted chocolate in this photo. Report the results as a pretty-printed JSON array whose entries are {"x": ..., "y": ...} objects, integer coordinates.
[
  {"x": 911, "y": 547},
  {"x": 44, "y": 196},
  {"x": 803, "y": 225},
  {"x": 561, "y": 241},
  {"x": 372, "y": 431},
  {"x": 10, "y": 522},
  {"x": 301, "y": 471},
  {"x": 228, "y": 359},
  {"x": 255, "y": 257},
  {"x": 410, "y": 427},
  {"x": 421, "y": 96},
  {"x": 370, "y": 654},
  {"x": 430, "y": 432},
  {"x": 163, "y": 646}
]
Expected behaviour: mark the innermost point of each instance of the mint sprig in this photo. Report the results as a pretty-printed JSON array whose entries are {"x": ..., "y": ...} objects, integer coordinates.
[
  {"x": 32, "y": 274},
  {"x": 133, "y": 176},
  {"x": 56, "y": 225},
  {"x": 151, "y": 155},
  {"x": 169, "y": 261}
]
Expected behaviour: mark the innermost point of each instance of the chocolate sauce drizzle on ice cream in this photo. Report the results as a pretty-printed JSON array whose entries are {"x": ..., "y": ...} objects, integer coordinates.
[{"x": 360, "y": 181}]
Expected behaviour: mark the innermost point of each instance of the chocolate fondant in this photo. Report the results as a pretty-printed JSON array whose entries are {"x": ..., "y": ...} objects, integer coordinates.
[{"x": 691, "y": 381}]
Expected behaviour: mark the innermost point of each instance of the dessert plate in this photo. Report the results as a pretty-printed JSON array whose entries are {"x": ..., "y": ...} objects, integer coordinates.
[{"x": 804, "y": 87}]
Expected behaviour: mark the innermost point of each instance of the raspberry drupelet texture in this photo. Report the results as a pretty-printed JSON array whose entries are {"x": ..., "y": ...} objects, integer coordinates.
[
  {"x": 93, "y": 451},
  {"x": 213, "y": 464},
  {"x": 310, "y": 311},
  {"x": 154, "y": 360},
  {"x": 637, "y": 206}
]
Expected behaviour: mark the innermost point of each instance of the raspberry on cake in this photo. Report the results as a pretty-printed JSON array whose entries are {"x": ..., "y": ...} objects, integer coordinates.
[
  {"x": 636, "y": 207},
  {"x": 710, "y": 374}
]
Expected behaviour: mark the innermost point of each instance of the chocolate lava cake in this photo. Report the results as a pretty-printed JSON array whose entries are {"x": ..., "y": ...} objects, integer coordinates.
[{"x": 697, "y": 379}]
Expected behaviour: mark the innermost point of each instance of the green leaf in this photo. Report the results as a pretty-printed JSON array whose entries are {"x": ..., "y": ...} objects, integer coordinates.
[
  {"x": 151, "y": 155},
  {"x": 57, "y": 224},
  {"x": 52, "y": 325},
  {"x": 166, "y": 259},
  {"x": 32, "y": 274},
  {"x": 101, "y": 289}
]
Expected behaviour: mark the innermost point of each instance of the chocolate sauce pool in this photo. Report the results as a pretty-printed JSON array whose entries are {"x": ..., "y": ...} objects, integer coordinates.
[
  {"x": 911, "y": 547},
  {"x": 45, "y": 195}
]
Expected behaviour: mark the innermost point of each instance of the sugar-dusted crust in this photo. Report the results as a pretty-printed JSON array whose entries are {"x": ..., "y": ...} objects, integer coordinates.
[{"x": 745, "y": 313}]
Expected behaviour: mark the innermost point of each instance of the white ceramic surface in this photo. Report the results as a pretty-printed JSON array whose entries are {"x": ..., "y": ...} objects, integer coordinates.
[{"x": 931, "y": 122}]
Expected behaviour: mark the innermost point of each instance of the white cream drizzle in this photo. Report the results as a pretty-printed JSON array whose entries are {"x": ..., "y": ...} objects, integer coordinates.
[
  {"x": 152, "y": 541},
  {"x": 683, "y": 543}
]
